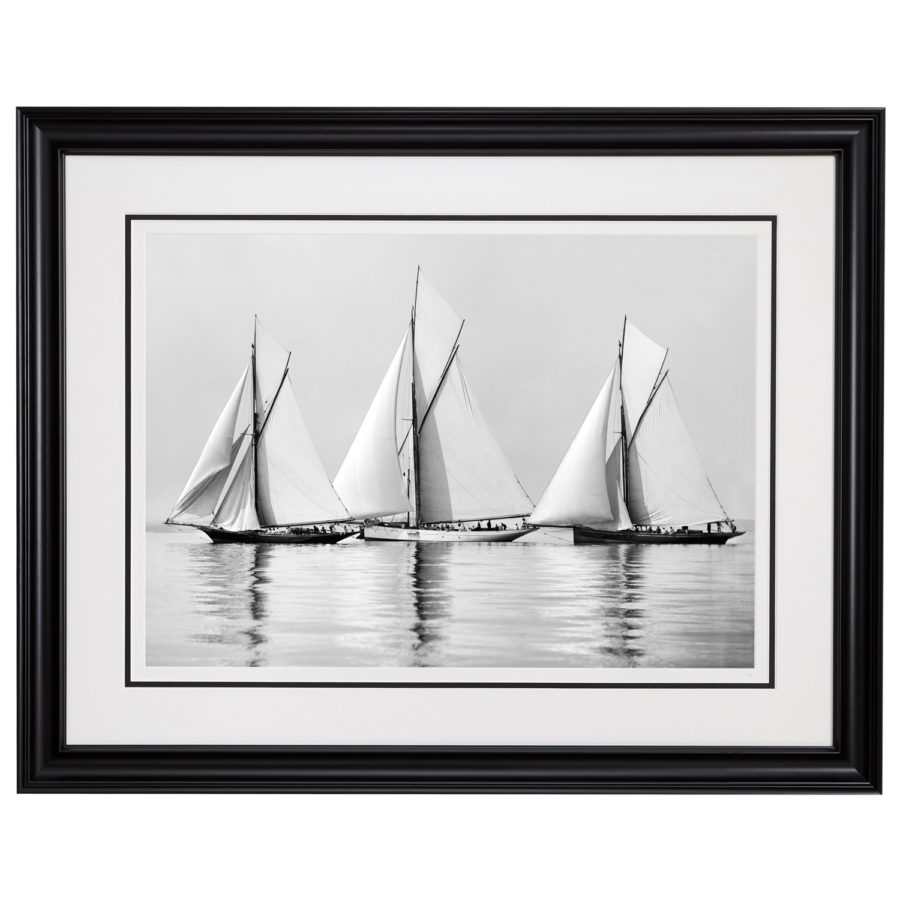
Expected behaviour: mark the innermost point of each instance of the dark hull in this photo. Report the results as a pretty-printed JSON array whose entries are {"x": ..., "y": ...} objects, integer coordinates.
[
  {"x": 218, "y": 536},
  {"x": 584, "y": 535}
]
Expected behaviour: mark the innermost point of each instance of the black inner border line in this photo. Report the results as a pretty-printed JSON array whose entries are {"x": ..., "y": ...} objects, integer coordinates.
[{"x": 129, "y": 682}]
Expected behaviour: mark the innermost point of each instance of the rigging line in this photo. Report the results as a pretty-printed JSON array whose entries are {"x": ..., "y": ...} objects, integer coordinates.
[
  {"x": 441, "y": 380},
  {"x": 440, "y": 384},
  {"x": 522, "y": 486},
  {"x": 402, "y": 443},
  {"x": 657, "y": 384},
  {"x": 652, "y": 396},
  {"x": 721, "y": 506},
  {"x": 284, "y": 376},
  {"x": 659, "y": 373},
  {"x": 405, "y": 439}
]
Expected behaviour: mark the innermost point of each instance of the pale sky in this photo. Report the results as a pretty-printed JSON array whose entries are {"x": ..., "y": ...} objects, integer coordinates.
[{"x": 543, "y": 317}]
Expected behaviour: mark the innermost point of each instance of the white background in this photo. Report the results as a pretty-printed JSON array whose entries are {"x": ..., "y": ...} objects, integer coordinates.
[{"x": 466, "y": 53}]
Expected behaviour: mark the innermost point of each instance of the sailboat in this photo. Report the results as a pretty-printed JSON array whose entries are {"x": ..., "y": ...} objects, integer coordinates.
[
  {"x": 425, "y": 464},
  {"x": 259, "y": 478},
  {"x": 632, "y": 474}
]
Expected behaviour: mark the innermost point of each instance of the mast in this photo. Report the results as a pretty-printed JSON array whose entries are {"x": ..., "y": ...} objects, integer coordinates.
[
  {"x": 624, "y": 441},
  {"x": 408, "y": 498},
  {"x": 415, "y": 418},
  {"x": 255, "y": 423}
]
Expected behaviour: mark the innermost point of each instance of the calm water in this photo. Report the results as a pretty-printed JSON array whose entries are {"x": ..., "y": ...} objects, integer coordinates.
[{"x": 395, "y": 604}]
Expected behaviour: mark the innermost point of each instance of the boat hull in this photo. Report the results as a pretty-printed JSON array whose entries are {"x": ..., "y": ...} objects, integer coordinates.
[
  {"x": 434, "y": 535},
  {"x": 583, "y": 535},
  {"x": 220, "y": 536}
]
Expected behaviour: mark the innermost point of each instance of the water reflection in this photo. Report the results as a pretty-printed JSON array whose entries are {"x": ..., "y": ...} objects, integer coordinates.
[
  {"x": 261, "y": 560},
  {"x": 519, "y": 605},
  {"x": 624, "y": 571},
  {"x": 230, "y": 591},
  {"x": 431, "y": 602}
]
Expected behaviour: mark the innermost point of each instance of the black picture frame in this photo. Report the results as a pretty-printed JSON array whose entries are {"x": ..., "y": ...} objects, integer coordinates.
[{"x": 854, "y": 137}]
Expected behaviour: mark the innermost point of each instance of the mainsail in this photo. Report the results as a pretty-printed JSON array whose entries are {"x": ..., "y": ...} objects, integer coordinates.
[
  {"x": 443, "y": 463},
  {"x": 632, "y": 461},
  {"x": 259, "y": 467},
  {"x": 463, "y": 471},
  {"x": 667, "y": 484}
]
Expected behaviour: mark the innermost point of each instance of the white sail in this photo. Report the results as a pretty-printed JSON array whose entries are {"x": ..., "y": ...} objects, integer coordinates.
[
  {"x": 620, "y": 519},
  {"x": 369, "y": 481},
  {"x": 667, "y": 484},
  {"x": 271, "y": 362},
  {"x": 437, "y": 328},
  {"x": 237, "y": 508},
  {"x": 204, "y": 487},
  {"x": 293, "y": 486},
  {"x": 464, "y": 474},
  {"x": 642, "y": 361},
  {"x": 578, "y": 494}
]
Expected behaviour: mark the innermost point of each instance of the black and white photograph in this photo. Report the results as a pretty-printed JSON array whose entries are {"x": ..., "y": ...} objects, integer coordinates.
[{"x": 490, "y": 450}]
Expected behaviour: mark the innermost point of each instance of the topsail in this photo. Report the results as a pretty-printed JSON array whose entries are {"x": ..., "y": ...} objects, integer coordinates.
[{"x": 259, "y": 467}]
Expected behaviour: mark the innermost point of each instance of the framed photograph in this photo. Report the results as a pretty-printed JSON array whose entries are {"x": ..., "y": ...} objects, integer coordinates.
[{"x": 450, "y": 450}]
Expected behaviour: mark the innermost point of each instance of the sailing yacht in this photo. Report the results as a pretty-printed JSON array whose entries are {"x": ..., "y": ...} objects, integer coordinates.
[
  {"x": 425, "y": 464},
  {"x": 632, "y": 474},
  {"x": 259, "y": 478}
]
